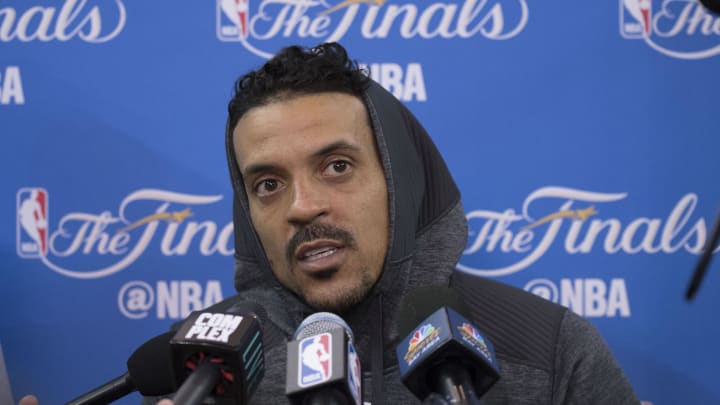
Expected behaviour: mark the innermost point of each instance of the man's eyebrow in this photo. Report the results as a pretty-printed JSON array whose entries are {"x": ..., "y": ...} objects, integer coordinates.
[
  {"x": 258, "y": 168},
  {"x": 336, "y": 147},
  {"x": 326, "y": 150}
]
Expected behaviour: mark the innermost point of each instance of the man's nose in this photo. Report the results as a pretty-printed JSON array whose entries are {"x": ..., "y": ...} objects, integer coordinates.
[{"x": 309, "y": 201}]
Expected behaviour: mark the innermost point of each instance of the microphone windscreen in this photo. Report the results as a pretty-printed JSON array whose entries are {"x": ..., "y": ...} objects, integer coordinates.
[
  {"x": 322, "y": 364},
  {"x": 712, "y": 5},
  {"x": 150, "y": 366},
  {"x": 418, "y": 304},
  {"x": 321, "y": 322}
]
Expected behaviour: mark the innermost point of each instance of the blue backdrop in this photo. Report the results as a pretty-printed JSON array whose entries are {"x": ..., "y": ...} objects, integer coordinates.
[{"x": 583, "y": 135}]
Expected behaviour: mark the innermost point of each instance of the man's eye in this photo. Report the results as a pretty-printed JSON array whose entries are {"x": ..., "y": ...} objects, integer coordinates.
[
  {"x": 266, "y": 187},
  {"x": 337, "y": 167}
]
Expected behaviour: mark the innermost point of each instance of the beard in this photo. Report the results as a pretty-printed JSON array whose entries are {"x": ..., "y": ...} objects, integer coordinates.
[
  {"x": 342, "y": 298},
  {"x": 355, "y": 284}
]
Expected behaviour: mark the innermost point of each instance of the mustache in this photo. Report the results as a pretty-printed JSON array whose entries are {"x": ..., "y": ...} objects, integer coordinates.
[{"x": 311, "y": 232}]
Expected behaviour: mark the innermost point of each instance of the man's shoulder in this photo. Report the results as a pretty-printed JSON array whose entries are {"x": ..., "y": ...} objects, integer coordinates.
[{"x": 523, "y": 327}]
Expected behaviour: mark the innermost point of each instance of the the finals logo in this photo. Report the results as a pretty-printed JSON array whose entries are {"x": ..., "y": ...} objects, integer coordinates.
[
  {"x": 90, "y": 21},
  {"x": 580, "y": 222},
  {"x": 255, "y": 23},
  {"x": 88, "y": 245},
  {"x": 681, "y": 29}
]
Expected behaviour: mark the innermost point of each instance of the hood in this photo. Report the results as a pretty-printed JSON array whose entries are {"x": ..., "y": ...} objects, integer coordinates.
[{"x": 427, "y": 235}]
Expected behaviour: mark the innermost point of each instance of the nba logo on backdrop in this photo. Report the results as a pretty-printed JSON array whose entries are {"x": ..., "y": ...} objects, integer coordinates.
[
  {"x": 635, "y": 18},
  {"x": 682, "y": 29},
  {"x": 32, "y": 222},
  {"x": 315, "y": 359},
  {"x": 232, "y": 19}
]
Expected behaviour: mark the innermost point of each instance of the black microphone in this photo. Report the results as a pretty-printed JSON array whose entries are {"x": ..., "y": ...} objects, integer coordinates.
[
  {"x": 712, "y": 5},
  {"x": 704, "y": 261},
  {"x": 443, "y": 353},
  {"x": 219, "y": 353},
  {"x": 149, "y": 371},
  {"x": 322, "y": 364}
]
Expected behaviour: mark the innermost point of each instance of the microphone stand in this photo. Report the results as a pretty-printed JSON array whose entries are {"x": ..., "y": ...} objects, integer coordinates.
[
  {"x": 198, "y": 384},
  {"x": 453, "y": 384},
  {"x": 704, "y": 261}
]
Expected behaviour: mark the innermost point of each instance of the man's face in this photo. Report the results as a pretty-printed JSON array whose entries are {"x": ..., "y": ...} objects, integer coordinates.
[{"x": 317, "y": 195}]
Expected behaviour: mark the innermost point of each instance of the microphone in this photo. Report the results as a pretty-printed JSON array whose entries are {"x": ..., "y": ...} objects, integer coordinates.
[
  {"x": 443, "y": 353},
  {"x": 219, "y": 353},
  {"x": 322, "y": 364},
  {"x": 712, "y": 5},
  {"x": 704, "y": 261},
  {"x": 149, "y": 371}
]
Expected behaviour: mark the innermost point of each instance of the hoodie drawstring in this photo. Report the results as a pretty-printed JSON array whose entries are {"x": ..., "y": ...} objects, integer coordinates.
[{"x": 376, "y": 351}]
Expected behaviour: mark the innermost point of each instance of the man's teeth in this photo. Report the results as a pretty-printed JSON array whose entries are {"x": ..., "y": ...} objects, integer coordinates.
[{"x": 319, "y": 253}]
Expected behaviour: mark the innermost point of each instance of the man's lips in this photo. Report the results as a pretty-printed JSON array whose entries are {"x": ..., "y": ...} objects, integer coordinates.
[
  {"x": 319, "y": 253},
  {"x": 310, "y": 250},
  {"x": 307, "y": 239},
  {"x": 318, "y": 256}
]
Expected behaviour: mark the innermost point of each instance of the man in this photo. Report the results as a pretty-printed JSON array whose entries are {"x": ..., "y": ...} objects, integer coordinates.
[{"x": 342, "y": 203}]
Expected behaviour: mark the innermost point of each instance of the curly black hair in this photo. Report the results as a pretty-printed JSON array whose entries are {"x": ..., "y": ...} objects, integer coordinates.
[{"x": 297, "y": 71}]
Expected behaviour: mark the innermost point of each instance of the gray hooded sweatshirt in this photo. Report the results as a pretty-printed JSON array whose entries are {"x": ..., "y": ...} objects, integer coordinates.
[{"x": 547, "y": 355}]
